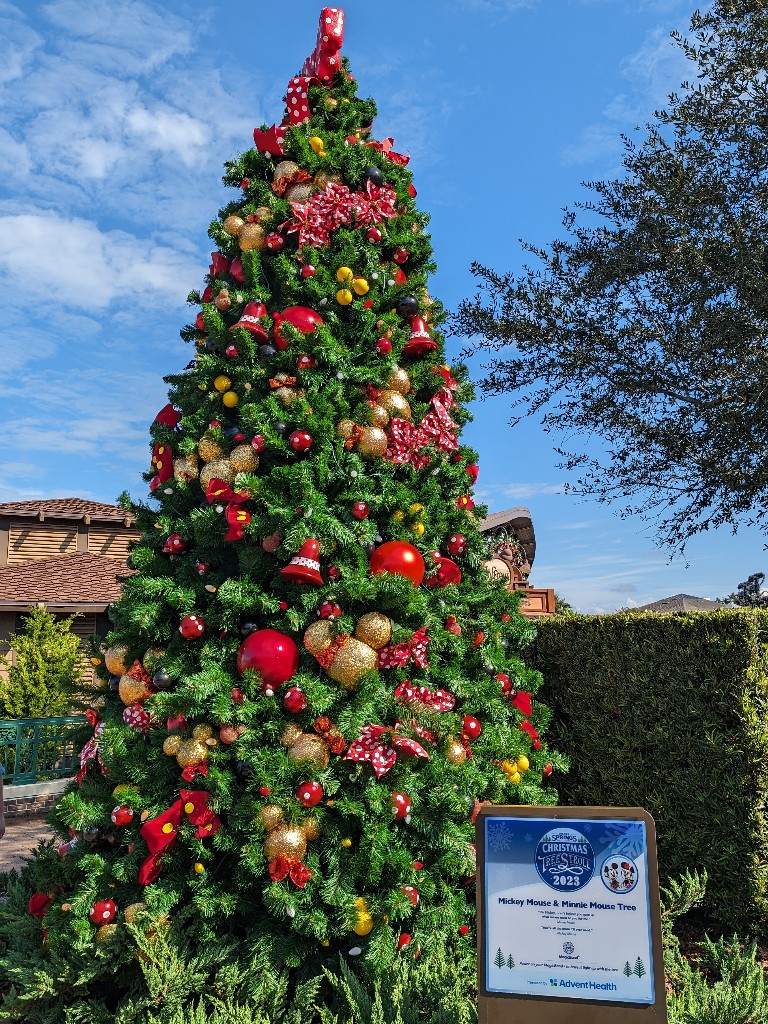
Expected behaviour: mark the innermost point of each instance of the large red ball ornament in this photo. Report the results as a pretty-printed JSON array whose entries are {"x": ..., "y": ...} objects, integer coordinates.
[
  {"x": 309, "y": 793},
  {"x": 271, "y": 654},
  {"x": 302, "y": 318},
  {"x": 470, "y": 727},
  {"x": 399, "y": 558},
  {"x": 191, "y": 627},
  {"x": 102, "y": 912},
  {"x": 401, "y": 805},
  {"x": 294, "y": 700},
  {"x": 121, "y": 816}
]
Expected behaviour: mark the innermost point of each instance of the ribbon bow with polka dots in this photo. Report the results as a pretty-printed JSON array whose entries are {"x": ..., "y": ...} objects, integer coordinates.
[
  {"x": 401, "y": 654},
  {"x": 380, "y": 748},
  {"x": 436, "y": 700}
]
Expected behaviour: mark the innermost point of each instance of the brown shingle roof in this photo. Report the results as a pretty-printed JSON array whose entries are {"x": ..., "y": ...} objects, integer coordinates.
[
  {"x": 66, "y": 508},
  {"x": 517, "y": 519},
  {"x": 73, "y": 582},
  {"x": 681, "y": 603}
]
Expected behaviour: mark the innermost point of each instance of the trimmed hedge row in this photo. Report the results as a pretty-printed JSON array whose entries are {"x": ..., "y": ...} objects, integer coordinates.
[{"x": 668, "y": 712}]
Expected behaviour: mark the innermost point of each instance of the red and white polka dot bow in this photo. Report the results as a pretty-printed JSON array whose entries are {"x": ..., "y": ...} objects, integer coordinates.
[
  {"x": 380, "y": 747},
  {"x": 401, "y": 654},
  {"x": 436, "y": 700}
]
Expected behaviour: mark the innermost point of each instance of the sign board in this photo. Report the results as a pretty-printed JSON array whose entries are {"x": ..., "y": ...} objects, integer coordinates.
[{"x": 568, "y": 916}]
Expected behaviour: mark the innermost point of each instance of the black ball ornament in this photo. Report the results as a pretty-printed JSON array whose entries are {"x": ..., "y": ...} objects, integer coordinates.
[
  {"x": 114, "y": 683},
  {"x": 281, "y": 428},
  {"x": 244, "y": 770},
  {"x": 374, "y": 175},
  {"x": 161, "y": 680},
  {"x": 407, "y": 306},
  {"x": 231, "y": 432},
  {"x": 248, "y": 627},
  {"x": 267, "y": 351},
  {"x": 210, "y": 346}
]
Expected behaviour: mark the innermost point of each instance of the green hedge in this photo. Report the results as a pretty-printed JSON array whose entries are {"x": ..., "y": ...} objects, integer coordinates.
[{"x": 668, "y": 712}]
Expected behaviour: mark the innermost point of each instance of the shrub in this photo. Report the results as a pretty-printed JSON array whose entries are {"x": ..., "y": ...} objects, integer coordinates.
[{"x": 45, "y": 671}]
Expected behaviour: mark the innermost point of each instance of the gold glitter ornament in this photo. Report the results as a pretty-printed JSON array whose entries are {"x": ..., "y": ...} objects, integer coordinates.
[
  {"x": 300, "y": 192},
  {"x": 219, "y": 469},
  {"x": 399, "y": 380},
  {"x": 233, "y": 224},
  {"x": 372, "y": 443},
  {"x": 106, "y": 933},
  {"x": 353, "y": 661},
  {"x": 309, "y": 749},
  {"x": 454, "y": 751},
  {"x": 252, "y": 236},
  {"x": 285, "y": 169},
  {"x": 172, "y": 745},
  {"x": 132, "y": 911},
  {"x": 311, "y": 828},
  {"x": 374, "y": 629},
  {"x": 208, "y": 449},
  {"x": 191, "y": 752},
  {"x": 271, "y": 816},
  {"x": 344, "y": 429},
  {"x": 378, "y": 416},
  {"x": 363, "y": 921},
  {"x": 115, "y": 658},
  {"x": 133, "y": 691},
  {"x": 318, "y": 636},
  {"x": 202, "y": 732},
  {"x": 286, "y": 839},
  {"x": 185, "y": 468},
  {"x": 395, "y": 404},
  {"x": 324, "y": 178},
  {"x": 291, "y": 733},
  {"x": 262, "y": 214},
  {"x": 153, "y": 658},
  {"x": 243, "y": 459}
]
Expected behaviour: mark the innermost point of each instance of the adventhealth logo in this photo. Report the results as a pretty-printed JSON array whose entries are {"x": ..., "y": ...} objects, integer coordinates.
[
  {"x": 602, "y": 986},
  {"x": 553, "y": 982}
]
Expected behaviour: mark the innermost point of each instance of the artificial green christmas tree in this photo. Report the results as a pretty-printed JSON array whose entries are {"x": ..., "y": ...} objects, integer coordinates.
[{"x": 313, "y": 682}]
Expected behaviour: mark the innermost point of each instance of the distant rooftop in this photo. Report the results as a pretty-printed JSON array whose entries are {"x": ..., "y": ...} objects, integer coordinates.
[
  {"x": 517, "y": 520},
  {"x": 86, "y": 582},
  {"x": 681, "y": 603},
  {"x": 67, "y": 508}
]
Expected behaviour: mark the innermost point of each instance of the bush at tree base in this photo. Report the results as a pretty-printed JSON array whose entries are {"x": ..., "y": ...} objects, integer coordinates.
[{"x": 286, "y": 770}]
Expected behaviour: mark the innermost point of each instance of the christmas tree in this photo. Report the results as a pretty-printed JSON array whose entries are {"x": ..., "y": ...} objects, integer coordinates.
[{"x": 312, "y": 684}]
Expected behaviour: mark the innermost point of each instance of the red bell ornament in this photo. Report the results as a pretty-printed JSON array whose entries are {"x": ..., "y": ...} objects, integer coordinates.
[
  {"x": 309, "y": 794},
  {"x": 401, "y": 806},
  {"x": 457, "y": 544},
  {"x": 272, "y": 655},
  {"x": 302, "y": 318},
  {"x": 250, "y": 319},
  {"x": 191, "y": 627},
  {"x": 304, "y": 567},
  {"x": 399, "y": 558},
  {"x": 102, "y": 912},
  {"x": 419, "y": 341}
]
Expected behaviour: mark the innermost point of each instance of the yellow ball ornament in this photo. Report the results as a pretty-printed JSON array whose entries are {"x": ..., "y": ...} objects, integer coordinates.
[
  {"x": 523, "y": 764},
  {"x": 230, "y": 399},
  {"x": 344, "y": 296},
  {"x": 360, "y": 286},
  {"x": 514, "y": 778},
  {"x": 222, "y": 382},
  {"x": 418, "y": 529},
  {"x": 345, "y": 275},
  {"x": 416, "y": 508},
  {"x": 346, "y": 842},
  {"x": 199, "y": 868},
  {"x": 363, "y": 921},
  {"x": 317, "y": 145}
]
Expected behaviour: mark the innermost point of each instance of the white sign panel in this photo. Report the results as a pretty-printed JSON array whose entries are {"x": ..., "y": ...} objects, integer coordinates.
[{"x": 567, "y": 909}]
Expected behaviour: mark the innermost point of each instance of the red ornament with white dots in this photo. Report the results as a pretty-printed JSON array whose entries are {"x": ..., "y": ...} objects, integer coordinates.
[
  {"x": 470, "y": 727},
  {"x": 275, "y": 242},
  {"x": 383, "y": 346},
  {"x": 328, "y": 610},
  {"x": 309, "y": 794},
  {"x": 294, "y": 700},
  {"x": 360, "y": 510},
  {"x": 412, "y": 893},
  {"x": 373, "y": 235},
  {"x": 457, "y": 544},
  {"x": 102, "y": 912},
  {"x": 191, "y": 627},
  {"x": 300, "y": 440},
  {"x": 306, "y": 362},
  {"x": 121, "y": 816},
  {"x": 401, "y": 806},
  {"x": 400, "y": 255}
]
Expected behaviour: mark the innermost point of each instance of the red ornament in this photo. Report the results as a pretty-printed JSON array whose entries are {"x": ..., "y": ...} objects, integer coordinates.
[
  {"x": 399, "y": 558},
  {"x": 175, "y": 545},
  {"x": 207, "y": 294},
  {"x": 275, "y": 241},
  {"x": 505, "y": 682},
  {"x": 412, "y": 893},
  {"x": 419, "y": 341},
  {"x": 400, "y": 255},
  {"x": 447, "y": 572},
  {"x": 547, "y": 771},
  {"x": 231, "y": 351},
  {"x": 537, "y": 744},
  {"x": 250, "y": 318},
  {"x": 300, "y": 441},
  {"x": 257, "y": 443},
  {"x": 401, "y": 806},
  {"x": 368, "y": 304},
  {"x": 245, "y": 183},
  {"x": 229, "y": 734},
  {"x": 333, "y": 572},
  {"x": 283, "y": 606},
  {"x": 237, "y": 695},
  {"x": 306, "y": 362},
  {"x": 473, "y": 471},
  {"x": 309, "y": 793},
  {"x": 329, "y": 609},
  {"x": 121, "y": 815},
  {"x": 102, "y": 912},
  {"x": 400, "y": 277},
  {"x": 373, "y": 234},
  {"x": 417, "y": 865},
  {"x": 308, "y": 270},
  {"x": 470, "y": 727},
  {"x": 403, "y": 941},
  {"x": 383, "y": 346},
  {"x": 412, "y": 191},
  {"x": 236, "y": 270},
  {"x": 191, "y": 627},
  {"x": 457, "y": 544},
  {"x": 478, "y": 639},
  {"x": 264, "y": 790},
  {"x": 506, "y": 617},
  {"x": 294, "y": 700},
  {"x": 304, "y": 567},
  {"x": 465, "y": 502},
  {"x": 452, "y": 625},
  {"x": 360, "y": 510},
  {"x": 464, "y": 929},
  {"x": 302, "y": 318},
  {"x": 271, "y": 654}
]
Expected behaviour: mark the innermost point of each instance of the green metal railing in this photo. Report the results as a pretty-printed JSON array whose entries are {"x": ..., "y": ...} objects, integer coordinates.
[{"x": 32, "y": 749}]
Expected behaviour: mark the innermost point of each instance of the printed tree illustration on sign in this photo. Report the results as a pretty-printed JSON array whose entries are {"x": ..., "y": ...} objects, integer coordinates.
[
  {"x": 628, "y": 970},
  {"x": 313, "y": 683},
  {"x": 510, "y": 962},
  {"x": 639, "y": 968},
  {"x": 499, "y": 961}
]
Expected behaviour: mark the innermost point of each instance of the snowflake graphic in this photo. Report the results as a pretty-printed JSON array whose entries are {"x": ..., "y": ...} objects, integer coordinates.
[
  {"x": 504, "y": 875},
  {"x": 624, "y": 839},
  {"x": 587, "y": 828},
  {"x": 500, "y": 836}
]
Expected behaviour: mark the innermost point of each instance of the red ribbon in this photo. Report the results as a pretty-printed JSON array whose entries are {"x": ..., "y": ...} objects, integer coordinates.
[
  {"x": 162, "y": 465},
  {"x": 380, "y": 747},
  {"x": 39, "y": 903},
  {"x": 406, "y": 442},
  {"x": 325, "y": 657},
  {"x": 91, "y": 749},
  {"x": 385, "y": 147},
  {"x": 281, "y": 867},
  {"x": 324, "y": 61},
  {"x": 160, "y": 834},
  {"x": 332, "y": 207},
  {"x": 219, "y": 265},
  {"x": 522, "y": 701},
  {"x": 435, "y": 700},
  {"x": 376, "y": 205},
  {"x": 271, "y": 140},
  {"x": 401, "y": 654},
  {"x": 138, "y": 717},
  {"x": 237, "y": 517}
]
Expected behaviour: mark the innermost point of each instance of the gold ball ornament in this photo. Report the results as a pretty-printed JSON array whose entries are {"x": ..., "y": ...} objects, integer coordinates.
[
  {"x": 344, "y": 429},
  {"x": 318, "y": 636},
  {"x": 300, "y": 192},
  {"x": 106, "y": 933},
  {"x": 344, "y": 296},
  {"x": 344, "y": 275},
  {"x": 286, "y": 839},
  {"x": 133, "y": 691},
  {"x": 324, "y": 178},
  {"x": 374, "y": 629},
  {"x": 353, "y": 661},
  {"x": 262, "y": 214},
  {"x": 291, "y": 733},
  {"x": 185, "y": 468},
  {"x": 271, "y": 816},
  {"x": 191, "y": 752},
  {"x": 230, "y": 399},
  {"x": 363, "y": 921},
  {"x": 219, "y": 469},
  {"x": 115, "y": 659},
  {"x": 198, "y": 868},
  {"x": 418, "y": 529},
  {"x": 454, "y": 751},
  {"x": 346, "y": 842},
  {"x": 378, "y": 416},
  {"x": 209, "y": 449},
  {"x": 399, "y": 381},
  {"x": 233, "y": 225},
  {"x": 285, "y": 169},
  {"x": 360, "y": 286},
  {"x": 396, "y": 404},
  {"x": 311, "y": 828},
  {"x": 288, "y": 395},
  {"x": 202, "y": 732},
  {"x": 222, "y": 382},
  {"x": 172, "y": 745},
  {"x": 309, "y": 749},
  {"x": 243, "y": 459},
  {"x": 252, "y": 236},
  {"x": 372, "y": 443},
  {"x": 132, "y": 912}
]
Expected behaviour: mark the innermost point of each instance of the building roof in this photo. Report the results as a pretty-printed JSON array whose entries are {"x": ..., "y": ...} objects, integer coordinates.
[
  {"x": 83, "y": 582},
  {"x": 517, "y": 519},
  {"x": 681, "y": 603},
  {"x": 67, "y": 508}
]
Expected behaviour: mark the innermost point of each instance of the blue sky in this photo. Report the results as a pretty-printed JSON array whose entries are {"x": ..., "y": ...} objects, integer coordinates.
[{"x": 115, "y": 120}]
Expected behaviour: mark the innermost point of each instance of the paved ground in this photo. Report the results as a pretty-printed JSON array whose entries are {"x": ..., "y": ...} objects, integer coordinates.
[{"x": 21, "y": 836}]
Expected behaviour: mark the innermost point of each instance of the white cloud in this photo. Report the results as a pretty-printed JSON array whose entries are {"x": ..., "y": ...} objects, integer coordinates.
[{"x": 517, "y": 491}]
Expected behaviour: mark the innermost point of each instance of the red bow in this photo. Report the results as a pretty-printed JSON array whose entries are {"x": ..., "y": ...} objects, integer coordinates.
[
  {"x": 376, "y": 205},
  {"x": 401, "y": 654},
  {"x": 438, "y": 426},
  {"x": 406, "y": 441},
  {"x": 160, "y": 833},
  {"x": 324, "y": 61},
  {"x": 522, "y": 701},
  {"x": 271, "y": 140},
  {"x": 334, "y": 205},
  {"x": 385, "y": 147},
  {"x": 378, "y": 746},
  {"x": 282, "y": 867},
  {"x": 219, "y": 264},
  {"x": 308, "y": 221},
  {"x": 436, "y": 700},
  {"x": 168, "y": 416},
  {"x": 527, "y": 727},
  {"x": 39, "y": 903},
  {"x": 237, "y": 516},
  {"x": 138, "y": 717},
  {"x": 91, "y": 748},
  {"x": 161, "y": 465}
]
